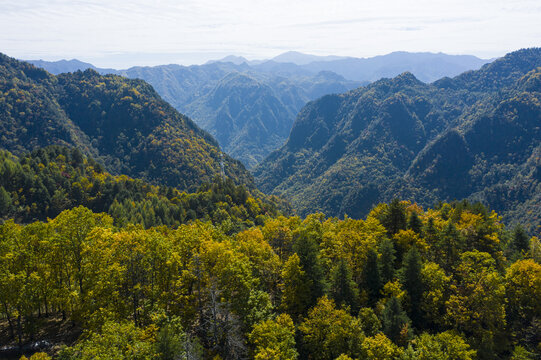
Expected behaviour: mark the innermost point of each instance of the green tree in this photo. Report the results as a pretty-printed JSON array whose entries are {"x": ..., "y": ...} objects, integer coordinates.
[
  {"x": 379, "y": 347},
  {"x": 308, "y": 253},
  {"x": 387, "y": 260},
  {"x": 535, "y": 249},
  {"x": 414, "y": 223},
  {"x": 274, "y": 339},
  {"x": 394, "y": 217},
  {"x": 395, "y": 321},
  {"x": 410, "y": 277},
  {"x": 523, "y": 293},
  {"x": 520, "y": 241},
  {"x": 328, "y": 332},
  {"x": 436, "y": 286},
  {"x": 171, "y": 341},
  {"x": 476, "y": 305},
  {"x": 114, "y": 341},
  {"x": 371, "y": 281},
  {"x": 369, "y": 321},
  {"x": 296, "y": 288},
  {"x": 344, "y": 290},
  {"x": 520, "y": 353},
  {"x": 446, "y": 249},
  {"x": 442, "y": 346},
  {"x": 5, "y": 201}
]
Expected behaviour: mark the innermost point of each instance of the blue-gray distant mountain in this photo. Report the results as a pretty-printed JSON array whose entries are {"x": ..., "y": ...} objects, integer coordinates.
[
  {"x": 427, "y": 67},
  {"x": 299, "y": 58},
  {"x": 66, "y": 66},
  {"x": 475, "y": 136}
]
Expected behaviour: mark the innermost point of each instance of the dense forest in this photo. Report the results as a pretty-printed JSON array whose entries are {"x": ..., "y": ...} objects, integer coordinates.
[
  {"x": 47, "y": 181},
  {"x": 122, "y": 123},
  {"x": 249, "y": 110},
  {"x": 403, "y": 283},
  {"x": 475, "y": 136}
]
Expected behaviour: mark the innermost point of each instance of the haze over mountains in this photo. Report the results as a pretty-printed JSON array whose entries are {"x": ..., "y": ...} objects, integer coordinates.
[{"x": 249, "y": 106}]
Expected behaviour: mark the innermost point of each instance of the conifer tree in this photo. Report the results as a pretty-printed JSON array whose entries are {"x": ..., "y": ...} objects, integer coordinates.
[
  {"x": 519, "y": 241},
  {"x": 414, "y": 223},
  {"x": 308, "y": 252},
  {"x": 394, "y": 218},
  {"x": 447, "y": 247},
  {"x": 5, "y": 201},
  {"x": 344, "y": 291},
  {"x": 371, "y": 277},
  {"x": 394, "y": 320},
  {"x": 387, "y": 260},
  {"x": 410, "y": 277}
]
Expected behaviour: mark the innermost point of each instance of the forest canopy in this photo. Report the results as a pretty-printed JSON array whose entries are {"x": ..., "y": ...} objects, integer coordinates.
[{"x": 403, "y": 283}]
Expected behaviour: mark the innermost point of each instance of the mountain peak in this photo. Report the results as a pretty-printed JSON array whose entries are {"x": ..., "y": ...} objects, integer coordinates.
[
  {"x": 299, "y": 58},
  {"x": 407, "y": 78},
  {"x": 234, "y": 59}
]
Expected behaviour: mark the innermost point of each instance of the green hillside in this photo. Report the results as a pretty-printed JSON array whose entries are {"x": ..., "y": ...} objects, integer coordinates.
[
  {"x": 122, "y": 123},
  {"x": 475, "y": 136}
]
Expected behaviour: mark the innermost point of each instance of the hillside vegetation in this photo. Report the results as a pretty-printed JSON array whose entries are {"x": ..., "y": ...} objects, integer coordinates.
[
  {"x": 122, "y": 123},
  {"x": 44, "y": 183}
]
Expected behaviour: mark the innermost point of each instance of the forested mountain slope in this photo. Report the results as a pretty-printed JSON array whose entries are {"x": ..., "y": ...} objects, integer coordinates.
[
  {"x": 474, "y": 136},
  {"x": 222, "y": 98},
  {"x": 123, "y": 123},
  {"x": 249, "y": 112}
]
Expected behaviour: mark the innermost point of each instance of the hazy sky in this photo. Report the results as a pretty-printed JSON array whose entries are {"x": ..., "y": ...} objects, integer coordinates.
[{"x": 118, "y": 33}]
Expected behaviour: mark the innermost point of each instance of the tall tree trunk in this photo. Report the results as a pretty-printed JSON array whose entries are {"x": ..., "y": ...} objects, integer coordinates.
[
  {"x": 20, "y": 332},
  {"x": 11, "y": 329}
]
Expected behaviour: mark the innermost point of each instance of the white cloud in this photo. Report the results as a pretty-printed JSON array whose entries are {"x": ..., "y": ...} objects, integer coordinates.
[{"x": 124, "y": 33}]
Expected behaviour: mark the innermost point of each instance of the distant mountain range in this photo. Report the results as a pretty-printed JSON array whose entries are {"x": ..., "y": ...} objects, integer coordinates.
[
  {"x": 475, "y": 136},
  {"x": 293, "y": 57},
  {"x": 249, "y": 106}
]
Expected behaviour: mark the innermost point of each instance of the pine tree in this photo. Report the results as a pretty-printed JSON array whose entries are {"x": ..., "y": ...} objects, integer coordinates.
[
  {"x": 394, "y": 218},
  {"x": 519, "y": 241},
  {"x": 410, "y": 277},
  {"x": 414, "y": 223},
  {"x": 308, "y": 252},
  {"x": 5, "y": 201},
  {"x": 394, "y": 319},
  {"x": 387, "y": 260},
  {"x": 448, "y": 246},
  {"x": 344, "y": 291},
  {"x": 371, "y": 278}
]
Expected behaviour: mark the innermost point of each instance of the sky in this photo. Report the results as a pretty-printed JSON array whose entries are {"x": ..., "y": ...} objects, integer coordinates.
[{"x": 120, "y": 34}]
